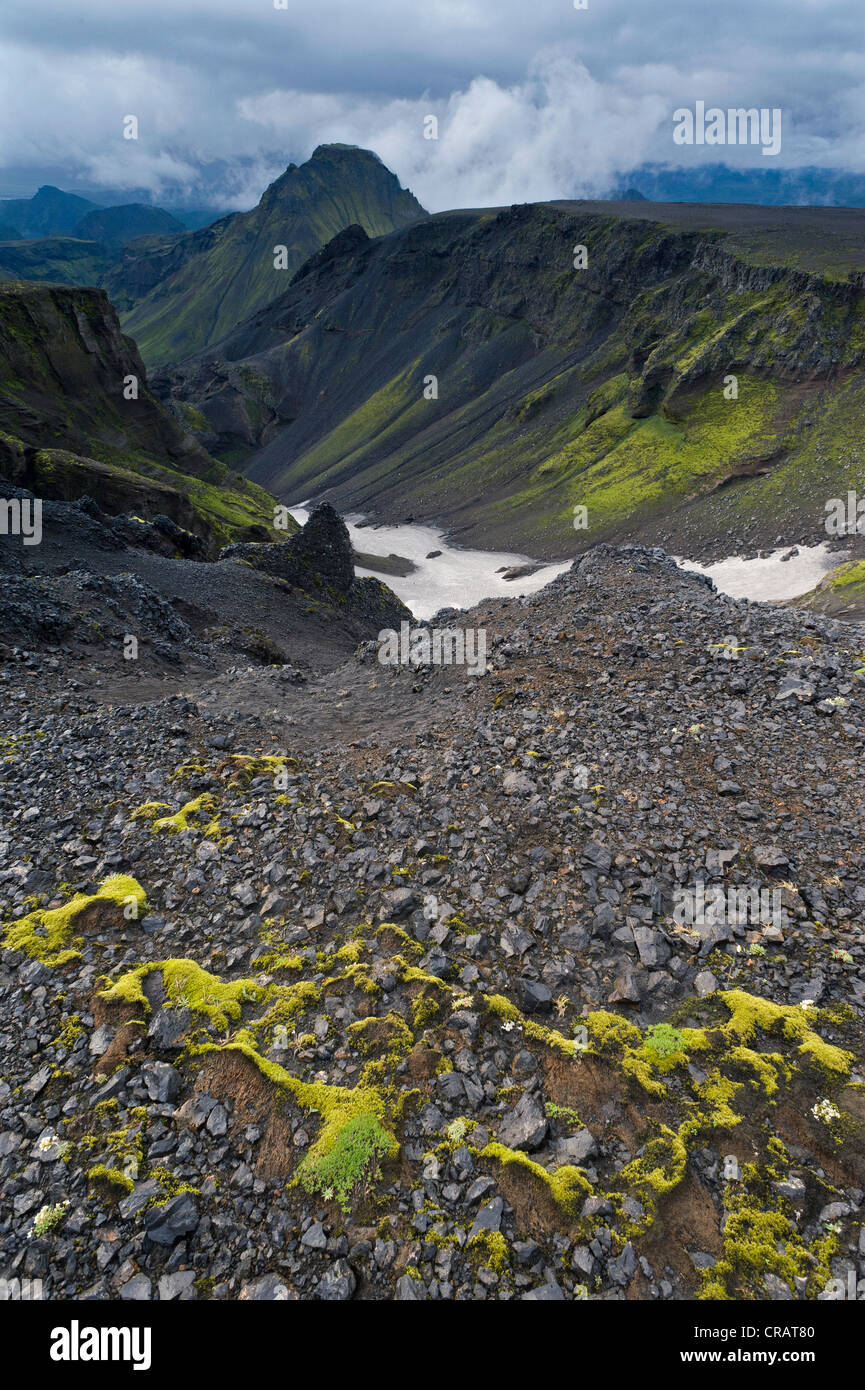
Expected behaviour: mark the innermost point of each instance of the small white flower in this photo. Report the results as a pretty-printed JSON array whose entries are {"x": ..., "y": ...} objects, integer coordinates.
[
  {"x": 825, "y": 1111},
  {"x": 48, "y": 1217}
]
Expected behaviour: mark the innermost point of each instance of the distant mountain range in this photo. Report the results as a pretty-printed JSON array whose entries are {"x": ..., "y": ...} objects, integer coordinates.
[
  {"x": 718, "y": 183},
  {"x": 53, "y": 213}
]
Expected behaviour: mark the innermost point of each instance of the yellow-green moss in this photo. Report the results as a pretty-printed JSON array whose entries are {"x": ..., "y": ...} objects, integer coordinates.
[
  {"x": 355, "y": 976},
  {"x": 492, "y": 1248},
  {"x": 408, "y": 946},
  {"x": 548, "y": 1037},
  {"x": 662, "y": 1164},
  {"x": 425, "y": 1010},
  {"x": 149, "y": 810},
  {"x": 766, "y": 1066},
  {"x": 390, "y": 1035},
  {"x": 758, "y": 1242},
  {"x": 351, "y": 1163},
  {"x": 284, "y": 1005},
  {"x": 748, "y": 1014},
  {"x": 124, "y": 1144},
  {"x": 273, "y": 961},
  {"x": 620, "y": 1039},
  {"x": 348, "y": 954},
  {"x": 188, "y": 770},
  {"x": 47, "y": 935},
  {"x": 221, "y": 1002},
  {"x": 339, "y": 1108},
  {"x": 412, "y": 974},
  {"x": 187, "y": 984},
  {"x": 660, "y": 1167},
  {"x": 173, "y": 1186},
  {"x": 248, "y": 766},
  {"x": 175, "y": 824},
  {"x": 112, "y": 1176},
  {"x": 568, "y": 1186},
  {"x": 353, "y": 1136},
  {"x": 72, "y": 1030},
  {"x": 12, "y": 744}
]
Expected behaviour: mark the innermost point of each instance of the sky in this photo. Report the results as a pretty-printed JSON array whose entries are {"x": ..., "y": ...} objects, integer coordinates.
[{"x": 534, "y": 99}]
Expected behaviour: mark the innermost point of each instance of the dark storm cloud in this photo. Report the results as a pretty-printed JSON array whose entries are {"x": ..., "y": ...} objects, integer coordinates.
[{"x": 533, "y": 100}]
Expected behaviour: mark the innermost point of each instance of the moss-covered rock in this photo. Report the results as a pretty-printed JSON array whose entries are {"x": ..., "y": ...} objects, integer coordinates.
[{"x": 54, "y": 935}]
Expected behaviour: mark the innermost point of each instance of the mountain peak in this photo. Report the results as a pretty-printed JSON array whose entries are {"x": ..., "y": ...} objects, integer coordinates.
[
  {"x": 335, "y": 161},
  {"x": 341, "y": 188},
  {"x": 336, "y": 149}
]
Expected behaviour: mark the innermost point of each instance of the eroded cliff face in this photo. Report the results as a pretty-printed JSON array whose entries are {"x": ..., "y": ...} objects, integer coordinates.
[
  {"x": 77, "y": 418},
  {"x": 65, "y": 365},
  {"x": 554, "y": 386}
]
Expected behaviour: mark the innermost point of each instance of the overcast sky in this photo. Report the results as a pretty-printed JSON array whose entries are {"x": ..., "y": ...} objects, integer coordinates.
[{"x": 534, "y": 98}]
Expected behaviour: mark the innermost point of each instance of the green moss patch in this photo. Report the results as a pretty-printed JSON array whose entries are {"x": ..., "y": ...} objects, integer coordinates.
[{"x": 49, "y": 935}]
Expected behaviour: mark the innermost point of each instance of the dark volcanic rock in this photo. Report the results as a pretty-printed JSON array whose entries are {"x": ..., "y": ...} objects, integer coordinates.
[
  {"x": 344, "y": 904},
  {"x": 320, "y": 552}
]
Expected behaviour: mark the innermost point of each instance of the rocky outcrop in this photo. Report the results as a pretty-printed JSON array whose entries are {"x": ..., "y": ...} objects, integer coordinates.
[
  {"x": 320, "y": 556},
  {"x": 321, "y": 549},
  {"x": 73, "y": 380},
  {"x": 285, "y": 605}
]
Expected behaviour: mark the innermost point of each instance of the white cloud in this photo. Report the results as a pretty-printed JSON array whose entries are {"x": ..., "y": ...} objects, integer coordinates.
[
  {"x": 533, "y": 100},
  {"x": 558, "y": 134}
]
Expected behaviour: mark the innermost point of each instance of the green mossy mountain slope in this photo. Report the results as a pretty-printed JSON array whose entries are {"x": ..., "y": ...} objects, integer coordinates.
[
  {"x": 116, "y": 226},
  {"x": 226, "y": 271},
  {"x": 557, "y": 387},
  {"x": 840, "y": 594},
  {"x": 67, "y": 430},
  {"x": 61, "y": 260}
]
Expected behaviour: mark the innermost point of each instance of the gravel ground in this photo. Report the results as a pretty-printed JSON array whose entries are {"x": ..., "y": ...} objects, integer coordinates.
[{"x": 411, "y": 1009}]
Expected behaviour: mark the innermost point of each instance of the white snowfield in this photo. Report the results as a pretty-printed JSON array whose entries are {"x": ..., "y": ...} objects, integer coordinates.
[
  {"x": 771, "y": 580},
  {"x": 461, "y": 578},
  {"x": 455, "y": 579}
]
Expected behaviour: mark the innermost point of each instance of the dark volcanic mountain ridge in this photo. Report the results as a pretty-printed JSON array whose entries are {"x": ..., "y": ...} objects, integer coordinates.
[{"x": 462, "y": 370}]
